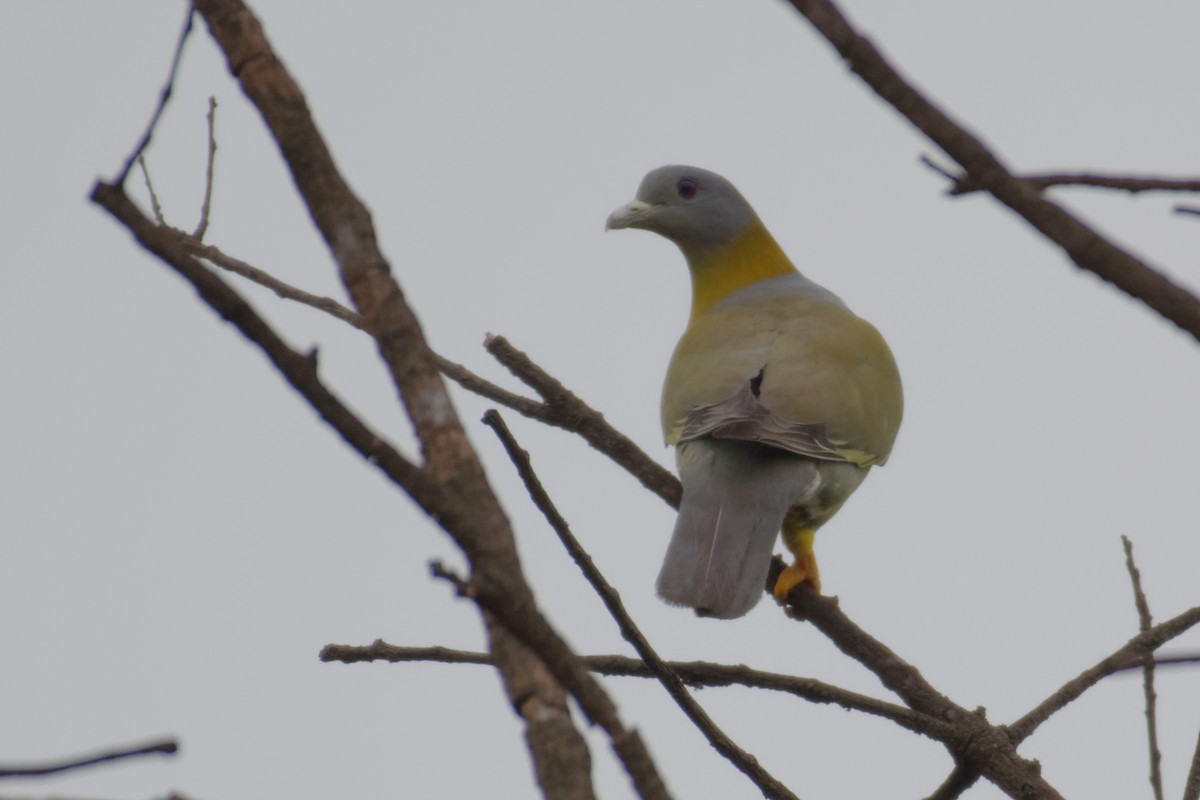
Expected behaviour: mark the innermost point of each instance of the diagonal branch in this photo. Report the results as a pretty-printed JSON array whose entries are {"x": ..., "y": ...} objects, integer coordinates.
[
  {"x": 565, "y": 410},
  {"x": 163, "y": 98},
  {"x": 981, "y": 747},
  {"x": 263, "y": 278},
  {"x": 520, "y": 668},
  {"x": 1128, "y": 656},
  {"x": 1087, "y": 248},
  {"x": 768, "y": 784}
]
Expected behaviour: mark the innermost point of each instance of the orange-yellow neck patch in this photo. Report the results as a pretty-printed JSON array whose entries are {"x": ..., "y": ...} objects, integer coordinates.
[{"x": 752, "y": 257}]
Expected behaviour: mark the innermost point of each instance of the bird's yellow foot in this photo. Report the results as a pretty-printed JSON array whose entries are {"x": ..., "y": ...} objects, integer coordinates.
[{"x": 803, "y": 569}]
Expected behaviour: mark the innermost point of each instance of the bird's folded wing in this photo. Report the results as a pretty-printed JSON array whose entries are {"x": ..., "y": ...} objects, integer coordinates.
[
  {"x": 789, "y": 371},
  {"x": 743, "y": 417}
]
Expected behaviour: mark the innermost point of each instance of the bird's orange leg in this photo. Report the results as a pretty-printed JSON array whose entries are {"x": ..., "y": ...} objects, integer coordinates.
[{"x": 799, "y": 540}]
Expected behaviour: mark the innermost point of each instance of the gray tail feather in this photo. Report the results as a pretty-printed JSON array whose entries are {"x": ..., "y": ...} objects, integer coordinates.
[{"x": 734, "y": 502}]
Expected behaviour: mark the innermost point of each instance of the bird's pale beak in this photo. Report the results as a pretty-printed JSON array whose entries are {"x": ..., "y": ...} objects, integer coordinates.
[{"x": 626, "y": 216}]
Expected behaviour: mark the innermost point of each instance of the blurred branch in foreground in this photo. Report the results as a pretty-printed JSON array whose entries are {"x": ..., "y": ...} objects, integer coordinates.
[{"x": 168, "y": 747}]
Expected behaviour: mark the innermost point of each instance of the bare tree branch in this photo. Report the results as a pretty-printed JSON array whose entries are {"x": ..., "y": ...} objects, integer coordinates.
[
  {"x": 1134, "y": 184},
  {"x": 155, "y": 206},
  {"x": 206, "y": 206},
  {"x": 167, "y": 747},
  {"x": 1087, "y": 248},
  {"x": 450, "y": 485},
  {"x": 560, "y": 407},
  {"x": 567, "y": 411},
  {"x": 1128, "y": 656},
  {"x": 285, "y": 290},
  {"x": 746, "y": 763},
  {"x": 699, "y": 674},
  {"x": 1145, "y": 622},
  {"x": 570, "y": 413},
  {"x": 163, "y": 99},
  {"x": 981, "y": 746},
  {"x": 519, "y": 667}
]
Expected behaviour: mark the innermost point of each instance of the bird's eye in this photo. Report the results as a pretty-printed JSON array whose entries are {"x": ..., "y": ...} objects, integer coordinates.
[{"x": 687, "y": 188}]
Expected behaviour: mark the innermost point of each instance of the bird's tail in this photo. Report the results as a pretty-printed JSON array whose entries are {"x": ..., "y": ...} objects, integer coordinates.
[{"x": 735, "y": 496}]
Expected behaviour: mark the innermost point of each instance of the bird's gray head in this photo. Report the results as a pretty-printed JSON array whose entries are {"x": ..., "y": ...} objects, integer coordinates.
[{"x": 697, "y": 209}]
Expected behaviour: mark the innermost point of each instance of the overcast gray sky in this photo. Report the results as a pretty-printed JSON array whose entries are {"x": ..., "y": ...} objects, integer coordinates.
[{"x": 181, "y": 535}]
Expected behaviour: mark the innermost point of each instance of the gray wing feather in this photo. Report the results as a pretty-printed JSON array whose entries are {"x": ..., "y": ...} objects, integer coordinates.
[
  {"x": 743, "y": 417},
  {"x": 735, "y": 497}
]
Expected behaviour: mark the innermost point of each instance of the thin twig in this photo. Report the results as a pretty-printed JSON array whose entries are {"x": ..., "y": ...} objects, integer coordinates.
[
  {"x": 939, "y": 169},
  {"x": 1191, "y": 788},
  {"x": 571, "y": 413},
  {"x": 1191, "y": 210},
  {"x": 743, "y": 761},
  {"x": 1167, "y": 661},
  {"x": 698, "y": 674},
  {"x": 206, "y": 206},
  {"x": 462, "y": 587},
  {"x": 525, "y": 406},
  {"x": 560, "y": 408},
  {"x": 1128, "y": 655},
  {"x": 155, "y": 206},
  {"x": 1145, "y": 623},
  {"x": 164, "y": 97},
  {"x": 166, "y": 747},
  {"x": 285, "y": 290},
  {"x": 1134, "y": 184}
]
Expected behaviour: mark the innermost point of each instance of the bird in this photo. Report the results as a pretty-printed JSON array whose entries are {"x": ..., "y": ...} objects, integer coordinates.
[{"x": 777, "y": 398}]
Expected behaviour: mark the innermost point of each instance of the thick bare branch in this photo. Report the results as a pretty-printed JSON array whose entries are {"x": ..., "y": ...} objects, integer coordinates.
[
  {"x": 1087, "y": 248},
  {"x": 451, "y": 485},
  {"x": 519, "y": 667},
  {"x": 567, "y": 411}
]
